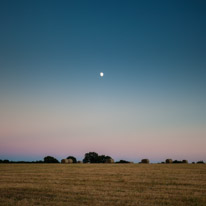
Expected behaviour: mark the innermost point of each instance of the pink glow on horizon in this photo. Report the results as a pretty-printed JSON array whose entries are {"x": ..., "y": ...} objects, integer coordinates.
[{"x": 160, "y": 146}]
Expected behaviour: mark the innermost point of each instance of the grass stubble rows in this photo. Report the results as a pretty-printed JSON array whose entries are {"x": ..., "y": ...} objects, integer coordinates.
[{"x": 102, "y": 184}]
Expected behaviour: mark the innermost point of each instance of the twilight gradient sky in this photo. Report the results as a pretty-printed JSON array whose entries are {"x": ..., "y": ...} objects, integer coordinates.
[{"x": 151, "y": 103}]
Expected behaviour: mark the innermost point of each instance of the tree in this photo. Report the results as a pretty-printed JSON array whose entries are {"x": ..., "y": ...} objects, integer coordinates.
[
  {"x": 91, "y": 157},
  {"x": 5, "y": 161},
  {"x": 200, "y": 162},
  {"x": 73, "y": 158},
  {"x": 49, "y": 159},
  {"x": 177, "y": 162},
  {"x": 103, "y": 158},
  {"x": 39, "y": 161}
]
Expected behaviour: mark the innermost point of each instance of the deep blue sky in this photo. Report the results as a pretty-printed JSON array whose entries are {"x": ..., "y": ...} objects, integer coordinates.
[
  {"x": 163, "y": 41},
  {"x": 153, "y": 54}
]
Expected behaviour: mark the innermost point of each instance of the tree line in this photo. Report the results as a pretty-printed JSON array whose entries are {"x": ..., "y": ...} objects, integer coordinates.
[{"x": 90, "y": 157}]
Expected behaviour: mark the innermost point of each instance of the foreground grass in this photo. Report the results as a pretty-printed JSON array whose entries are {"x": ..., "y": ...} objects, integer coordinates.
[{"x": 102, "y": 184}]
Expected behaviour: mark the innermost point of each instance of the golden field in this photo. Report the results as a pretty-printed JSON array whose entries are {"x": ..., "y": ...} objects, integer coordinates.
[{"x": 103, "y": 184}]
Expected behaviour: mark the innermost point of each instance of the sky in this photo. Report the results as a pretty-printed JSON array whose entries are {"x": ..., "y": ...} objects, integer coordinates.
[{"x": 151, "y": 102}]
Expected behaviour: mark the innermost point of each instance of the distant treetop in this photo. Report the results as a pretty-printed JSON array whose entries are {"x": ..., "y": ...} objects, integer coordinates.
[
  {"x": 73, "y": 158},
  {"x": 49, "y": 159}
]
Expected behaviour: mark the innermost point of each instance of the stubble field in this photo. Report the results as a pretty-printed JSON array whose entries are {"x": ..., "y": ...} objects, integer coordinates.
[{"x": 103, "y": 184}]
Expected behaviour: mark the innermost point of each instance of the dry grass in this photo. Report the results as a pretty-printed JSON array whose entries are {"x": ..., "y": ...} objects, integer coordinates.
[{"x": 103, "y": 184}]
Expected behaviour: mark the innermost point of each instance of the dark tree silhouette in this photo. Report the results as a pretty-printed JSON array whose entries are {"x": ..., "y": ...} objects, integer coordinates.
[
  {"x": 91, "y": 157},
  {"x": 103, "y": 158},
  {"x": 49, "y": 159},
  {"x": 123, "y": 161},
  {"x": 73, "y": 158},
  {"x": 177, "y": 162},
  {"x": 6, "y": 161},
  {"x": 200, "y": 162}
]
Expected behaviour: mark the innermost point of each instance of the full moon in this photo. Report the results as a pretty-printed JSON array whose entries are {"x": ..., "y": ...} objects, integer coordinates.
[{"x": 101, "y": 74}]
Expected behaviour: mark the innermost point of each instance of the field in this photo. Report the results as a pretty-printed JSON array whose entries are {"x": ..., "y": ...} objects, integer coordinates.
[{"x": 103, "y": 184}]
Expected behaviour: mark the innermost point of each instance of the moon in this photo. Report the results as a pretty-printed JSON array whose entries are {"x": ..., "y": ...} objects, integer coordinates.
[{"x": 101, "y": 74}]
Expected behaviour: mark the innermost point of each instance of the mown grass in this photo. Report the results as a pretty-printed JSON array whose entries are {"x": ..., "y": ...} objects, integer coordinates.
[{"x": 103, "y": 184}]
